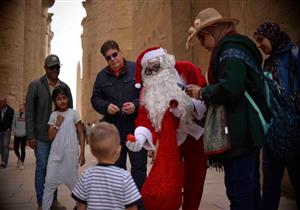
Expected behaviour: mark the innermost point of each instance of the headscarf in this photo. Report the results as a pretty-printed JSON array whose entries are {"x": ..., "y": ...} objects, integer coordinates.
[
  {"x": 218, "y": 31},
  {"x": 273, "y": 32},
  {"x": 278, "y": 40}
]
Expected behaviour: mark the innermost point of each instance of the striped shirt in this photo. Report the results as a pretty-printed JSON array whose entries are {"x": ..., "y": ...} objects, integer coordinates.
[{"x": 106, "y": 186}]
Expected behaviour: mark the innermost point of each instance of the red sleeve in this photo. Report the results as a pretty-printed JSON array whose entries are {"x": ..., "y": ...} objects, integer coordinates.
[{"x": 190, "y": 73}]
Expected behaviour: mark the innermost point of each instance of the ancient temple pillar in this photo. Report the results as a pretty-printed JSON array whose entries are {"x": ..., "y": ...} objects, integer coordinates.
[
  {"x": 31, "y": 41},
  {"x": 37, "y": 37},
  {"x": 79, "y": 90},
  {"x": 12, "y": 50}
]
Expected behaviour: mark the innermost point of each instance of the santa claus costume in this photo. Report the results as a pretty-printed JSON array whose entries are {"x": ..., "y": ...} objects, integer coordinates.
[{"x": 168, "y": 122}]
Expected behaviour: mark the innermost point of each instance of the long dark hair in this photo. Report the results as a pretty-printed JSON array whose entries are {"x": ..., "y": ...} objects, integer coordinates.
[{"x": 60, "y": 90}]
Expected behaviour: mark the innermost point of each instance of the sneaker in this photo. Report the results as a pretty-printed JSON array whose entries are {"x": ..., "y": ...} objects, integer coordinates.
[
  {"x": 56, "y": 205},
  {"x": 18, "y": 163},
  {"x": 21, "y": 166}
]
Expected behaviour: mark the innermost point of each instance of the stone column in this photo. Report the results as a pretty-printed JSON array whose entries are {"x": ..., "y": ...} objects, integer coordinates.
[
  {"x": 31, "y": 42},
  {"x": 43, "y": 50},
  {"x": 37, "y": 37},
  {"x": 152, "y": 25},
  {"x": 86, "y": 84},
  {"x": 12, "y": 50},
  {"x": 79, "y": 91}
]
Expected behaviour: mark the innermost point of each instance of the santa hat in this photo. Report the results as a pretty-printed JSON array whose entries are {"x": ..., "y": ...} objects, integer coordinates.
[{"x": 142, "y": 59}]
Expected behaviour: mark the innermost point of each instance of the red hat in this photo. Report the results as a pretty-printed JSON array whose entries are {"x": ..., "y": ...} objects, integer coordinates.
[{"x": 142, "y": 59}]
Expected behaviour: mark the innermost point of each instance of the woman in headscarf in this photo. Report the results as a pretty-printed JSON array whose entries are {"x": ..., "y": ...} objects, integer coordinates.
[
  {"x": 229, "y": 76},
  {"x": 283, "y": 63}
]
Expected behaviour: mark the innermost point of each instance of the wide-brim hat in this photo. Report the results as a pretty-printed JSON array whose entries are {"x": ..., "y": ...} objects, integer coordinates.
[{"x": 206, "y": 18}]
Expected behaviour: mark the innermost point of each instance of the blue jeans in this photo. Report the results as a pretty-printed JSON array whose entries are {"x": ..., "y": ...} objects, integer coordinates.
[
  {"x": 273, "y": 170},
  {"x": 242, "y": 182},
  {"x": 41, "y": 152},
  {"x": 4, "y": 143}
]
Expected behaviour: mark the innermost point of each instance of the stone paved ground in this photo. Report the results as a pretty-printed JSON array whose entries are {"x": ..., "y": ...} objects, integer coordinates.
[{"x": 17, "y": 188}]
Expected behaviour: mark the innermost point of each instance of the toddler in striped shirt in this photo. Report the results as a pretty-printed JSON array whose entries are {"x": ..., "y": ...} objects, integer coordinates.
[{"x": 105, "y": 186}]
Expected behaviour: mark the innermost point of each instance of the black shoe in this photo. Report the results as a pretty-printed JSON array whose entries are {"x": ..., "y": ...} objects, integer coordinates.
[
  {"x": 2, "y": 165},
  {"x": 57, "y": 206}
]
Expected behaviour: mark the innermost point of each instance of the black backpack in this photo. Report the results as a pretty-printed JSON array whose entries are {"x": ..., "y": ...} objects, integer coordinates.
[{"x": 283, "y": 131}]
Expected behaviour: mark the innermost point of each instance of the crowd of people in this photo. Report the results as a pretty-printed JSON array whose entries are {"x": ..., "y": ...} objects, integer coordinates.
[{"x": 157, "y": 105}]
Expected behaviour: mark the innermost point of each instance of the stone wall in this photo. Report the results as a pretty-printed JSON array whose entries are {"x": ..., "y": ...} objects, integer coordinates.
[{"x": 25, "y": 37}]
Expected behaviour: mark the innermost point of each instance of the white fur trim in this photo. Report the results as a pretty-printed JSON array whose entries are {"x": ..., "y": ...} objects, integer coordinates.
[
  {"x": 137, "y": 85},
  {"x": 152, "y": 54},
  {"x": 148, "y": 145}
]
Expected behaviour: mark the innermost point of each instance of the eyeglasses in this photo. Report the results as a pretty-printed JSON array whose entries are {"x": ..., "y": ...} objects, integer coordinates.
[
  {"x": 110, "y": 57},
  {"x": 154, "y": 68}
]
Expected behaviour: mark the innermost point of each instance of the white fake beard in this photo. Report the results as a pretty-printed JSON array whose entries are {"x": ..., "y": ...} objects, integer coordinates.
[{"x": 159, "y": 90}]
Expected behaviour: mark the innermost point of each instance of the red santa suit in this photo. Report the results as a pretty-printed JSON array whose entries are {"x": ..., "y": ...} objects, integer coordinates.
[{"x": 176, "y": 136}]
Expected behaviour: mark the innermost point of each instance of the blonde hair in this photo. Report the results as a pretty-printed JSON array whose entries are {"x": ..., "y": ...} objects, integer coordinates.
[{"x": 104, "y": 139}]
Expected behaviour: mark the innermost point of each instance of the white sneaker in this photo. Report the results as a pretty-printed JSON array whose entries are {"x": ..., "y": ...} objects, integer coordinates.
[
  {"x": 18, "y": 163},
  {"x": 21, "y": 166}
]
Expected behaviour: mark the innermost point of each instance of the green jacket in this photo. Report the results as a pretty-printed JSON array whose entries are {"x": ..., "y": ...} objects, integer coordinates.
[{"x": 231, "y": 78}]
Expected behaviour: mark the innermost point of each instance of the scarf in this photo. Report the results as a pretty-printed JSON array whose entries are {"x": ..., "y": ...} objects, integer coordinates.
[
  {"x": 278, "y": 39},
  {"x": 210, "y": 77}
]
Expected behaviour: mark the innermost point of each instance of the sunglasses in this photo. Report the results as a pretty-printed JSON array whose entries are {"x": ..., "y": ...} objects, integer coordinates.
[
  {"x": 56, "y": 67},
  {"x": 109, "y": 57},
  {"x": 150, "y": 70}
]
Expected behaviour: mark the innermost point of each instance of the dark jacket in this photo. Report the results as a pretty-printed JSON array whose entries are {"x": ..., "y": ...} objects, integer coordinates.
[
  {"x": 39, "y": 108},
  {"x": 109, "y": 88},
  {"x": 6, "y": 123},
  {"x": 232, "y": 78}
]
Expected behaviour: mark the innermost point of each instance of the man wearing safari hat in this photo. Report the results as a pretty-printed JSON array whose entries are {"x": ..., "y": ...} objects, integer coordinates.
[
  {"x": 39, "y": 106},
  {"x": 231, "y": 73}
]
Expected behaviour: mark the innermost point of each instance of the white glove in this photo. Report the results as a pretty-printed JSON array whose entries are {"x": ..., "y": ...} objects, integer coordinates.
[
  {"x": 179, "y": 112},
  {"x": 190, "y": 108},
  {"x": 176, "y": 112},
  {"x": 137, "y": 145}
]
